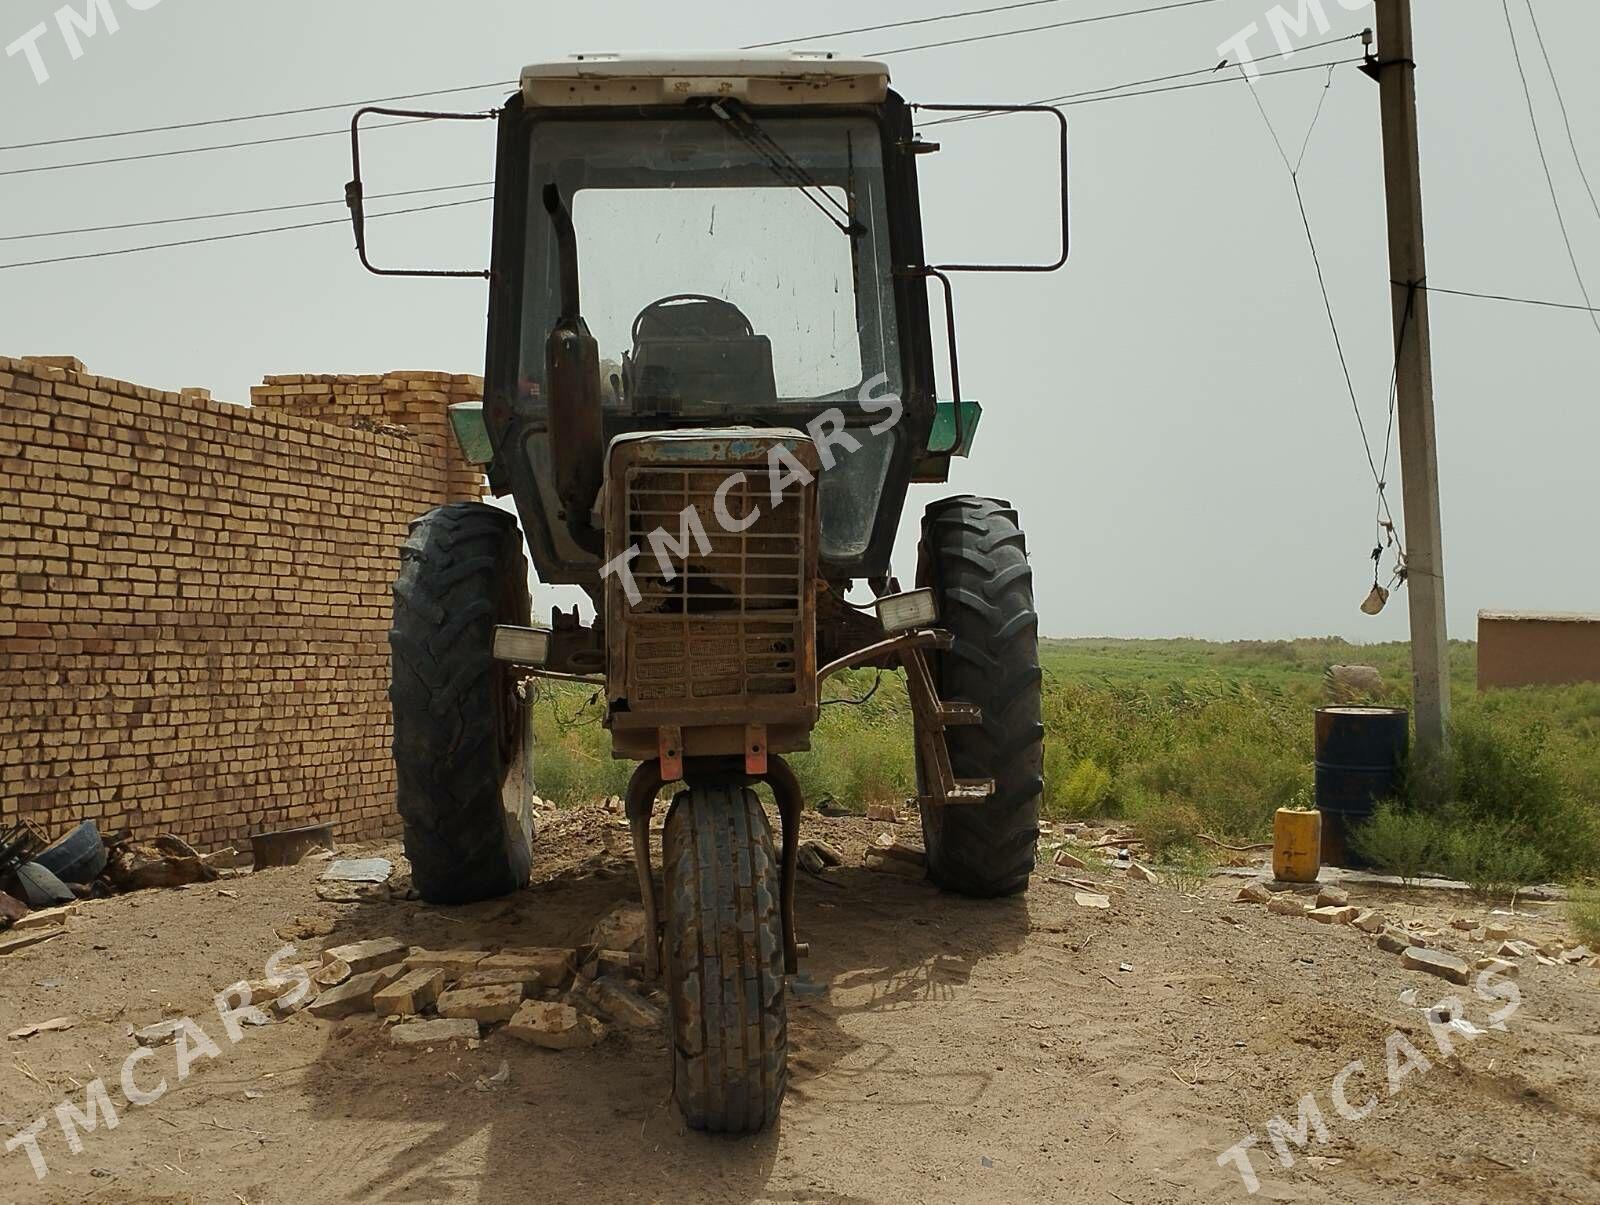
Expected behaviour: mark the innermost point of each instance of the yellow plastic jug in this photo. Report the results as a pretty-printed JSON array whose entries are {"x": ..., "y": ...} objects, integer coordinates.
[{"x": 1296, "y": 845}]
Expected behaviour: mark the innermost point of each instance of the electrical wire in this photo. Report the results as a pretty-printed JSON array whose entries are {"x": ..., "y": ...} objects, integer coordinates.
[
  {"x": 1108, "y": 92},
  {"x": 1095, "y": 95},
  {"x": 222, "y": 238},
  {"x": 239, "y": 213},
  {"x": 215, "y": 146},
  {"x": 1154, "y": 79},
  {"x": 1012, "y": 33},
  {"x": 376, "y": 100},
  {"x": 1544, "y": 160},
  {"x": 222, "y": 121},
  {"x": 1387, "y": 529},
  {"x": 877, "y": 681},
  {"x": 1534, "y": 301},
  {"x": 845, "y": 33},
  {"x": 1383, "y": 521},
  {"x": 1566, "y": 118}
]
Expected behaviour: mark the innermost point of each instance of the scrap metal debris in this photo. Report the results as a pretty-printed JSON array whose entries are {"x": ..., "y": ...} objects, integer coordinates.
[{"x": 359, "y": 870}]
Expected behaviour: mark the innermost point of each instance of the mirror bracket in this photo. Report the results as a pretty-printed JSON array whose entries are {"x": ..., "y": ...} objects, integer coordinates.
[
  {"x": 1061, "y": 118},
  {"x": 355, "y": 191}
]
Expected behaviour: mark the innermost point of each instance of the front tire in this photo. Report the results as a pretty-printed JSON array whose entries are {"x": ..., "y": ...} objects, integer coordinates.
[
  {"x": 461, "y": 733},
  {"x": 975, "y": 557},
  {"x": 724, "y": 961}
]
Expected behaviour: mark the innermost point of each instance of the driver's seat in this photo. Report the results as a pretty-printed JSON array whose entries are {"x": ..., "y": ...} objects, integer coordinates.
[{"x": 693, "y": 348}]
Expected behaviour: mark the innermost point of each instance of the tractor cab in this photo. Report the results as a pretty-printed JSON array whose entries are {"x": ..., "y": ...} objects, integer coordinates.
[
  {"x": 734, "y": 236},
  {"x": 709, "y": 383}
]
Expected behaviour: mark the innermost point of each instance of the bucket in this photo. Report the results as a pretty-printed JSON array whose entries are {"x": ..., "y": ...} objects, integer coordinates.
[
  {"x": 1296, "y": 845},
  {"x": 1360, "y": 752}
]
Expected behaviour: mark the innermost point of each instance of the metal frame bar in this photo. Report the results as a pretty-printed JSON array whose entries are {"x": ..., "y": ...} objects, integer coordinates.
[
  {"x": 1066, "y": 243},
  {"x": 933, "y": 717},
  {"x": 647, "y": 780},
  {"x": 355, "y": 191},
  {"x": 935, "y": 638}
]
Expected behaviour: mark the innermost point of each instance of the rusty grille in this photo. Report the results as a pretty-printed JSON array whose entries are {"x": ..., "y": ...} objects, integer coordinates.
[{"x": 727, "y": 623}]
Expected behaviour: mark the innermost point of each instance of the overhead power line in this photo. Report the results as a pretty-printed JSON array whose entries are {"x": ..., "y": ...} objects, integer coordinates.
[
  {"x": 1566, "y": 118},
  {"x": 222, "y": 238},
  {"x": 352, "y": 104},
  {"x": 1385, "y": 518},
  {"x": 239, "y": 213},
  {"x": 215, "y": 146},
  {"x": 1544, "y": 160},
  {"x": 1117, "y": 91},
  {"x": 845, "y": 33},
  {"x": 222, "y": 121},
  {"x": 1012, "y": 33},
  {"x": 1109, "y": 92},
  {"x": 1100, "y": 95},
  {"x": 1534, "y": 301}
]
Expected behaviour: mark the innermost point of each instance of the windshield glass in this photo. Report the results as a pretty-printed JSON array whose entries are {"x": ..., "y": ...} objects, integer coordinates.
[
  {"x": 729, "y": 271},
  {"x": 765, "y": 250},
  {"x": 669, "y": 208}
]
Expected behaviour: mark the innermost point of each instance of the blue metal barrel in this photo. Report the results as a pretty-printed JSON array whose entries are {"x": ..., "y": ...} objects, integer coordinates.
[{"x": 1360, "y": 756}]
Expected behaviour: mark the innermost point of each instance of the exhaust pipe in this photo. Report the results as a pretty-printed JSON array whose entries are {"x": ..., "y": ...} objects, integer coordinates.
[{"x": 572, "y": 374}]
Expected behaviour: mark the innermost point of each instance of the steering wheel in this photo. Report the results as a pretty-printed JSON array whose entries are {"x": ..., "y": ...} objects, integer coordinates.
[{"x": 692, "y": 314}]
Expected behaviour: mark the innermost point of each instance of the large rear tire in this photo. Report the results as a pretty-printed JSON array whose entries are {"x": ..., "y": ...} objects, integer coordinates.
[
  {"x": 975, "y": 557},
  {"x": 461, "y": 733},
  {"x": 724, "y": 961}
]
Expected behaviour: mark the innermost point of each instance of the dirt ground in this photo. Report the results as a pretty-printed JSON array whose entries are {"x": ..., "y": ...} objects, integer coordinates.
[{"x": 1022, "y": 1050}]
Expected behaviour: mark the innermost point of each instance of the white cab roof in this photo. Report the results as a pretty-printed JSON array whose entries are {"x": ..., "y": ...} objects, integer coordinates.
[{"x": 656, "y": 77}]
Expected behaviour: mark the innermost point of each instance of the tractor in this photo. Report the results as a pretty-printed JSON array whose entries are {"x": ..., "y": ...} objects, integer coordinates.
[{"x": 709, "y": 383}]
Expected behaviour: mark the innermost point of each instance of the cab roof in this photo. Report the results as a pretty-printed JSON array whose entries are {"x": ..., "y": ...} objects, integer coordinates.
[{"x": 657, "y": 78}]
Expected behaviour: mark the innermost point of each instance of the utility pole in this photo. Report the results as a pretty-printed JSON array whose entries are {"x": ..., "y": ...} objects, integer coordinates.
[{"x": 1396, "y": 71}]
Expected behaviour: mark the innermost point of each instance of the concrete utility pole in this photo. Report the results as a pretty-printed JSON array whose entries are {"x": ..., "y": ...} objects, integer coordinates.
[{"x": 1419, "y": 457}]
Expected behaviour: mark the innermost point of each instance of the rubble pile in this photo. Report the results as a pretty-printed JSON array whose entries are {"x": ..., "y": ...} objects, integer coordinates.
[
  {"x": 1434, "y": 952},
  {"x": 37, "y": 874},
  {"x": 559, "y": 998}
]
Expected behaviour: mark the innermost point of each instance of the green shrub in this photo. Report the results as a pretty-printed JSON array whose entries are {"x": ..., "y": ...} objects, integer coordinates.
[
  {"x": 1187, "y": 869},
  {"x": 1185, "y": 737},
  {"x": 1492, "y": 862},
  {"x": 865, "y": 753},
  {"x": 1506, "y": 776},
  {"x": 1072, "y": 790},
  {"x": 1486, "y": 856},
  {"x": 1583, "y": 910},
  {"x": 1236, "y": 761},
  {"x": 1165, "y": 822},
  {"x": 1401, "y": 843}
]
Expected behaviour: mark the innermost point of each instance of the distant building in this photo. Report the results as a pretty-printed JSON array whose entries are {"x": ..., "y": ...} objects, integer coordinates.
[{"x": 1537, "y": 648}]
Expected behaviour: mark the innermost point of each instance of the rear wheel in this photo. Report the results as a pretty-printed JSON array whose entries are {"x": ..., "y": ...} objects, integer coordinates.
[
  {"x": 461, "y": 733},
  {"x": 724, "y": 960},
  {"x": 974, "y": 556}
]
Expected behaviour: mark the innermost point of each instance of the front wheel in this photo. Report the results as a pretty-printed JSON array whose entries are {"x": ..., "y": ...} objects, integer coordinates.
[
  {"x": 974, "y": 556},
  {"x": 461, "y": 732},
  {"x": 724, "y": 960}
]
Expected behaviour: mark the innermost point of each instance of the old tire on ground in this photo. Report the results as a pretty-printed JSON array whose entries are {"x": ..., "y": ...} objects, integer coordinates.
[
  {"x": 78, "y": 857},
  {"x": 460, "y": 731},
  {"x": 974, "y": 556},
  {"x": 724, "y": 960}
]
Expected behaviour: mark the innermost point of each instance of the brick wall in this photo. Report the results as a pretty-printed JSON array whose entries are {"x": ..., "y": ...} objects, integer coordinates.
[{"x": 194, "y": 596}]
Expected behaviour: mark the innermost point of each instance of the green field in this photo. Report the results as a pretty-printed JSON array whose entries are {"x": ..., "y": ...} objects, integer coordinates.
[{"x": 1183, "y": 737}]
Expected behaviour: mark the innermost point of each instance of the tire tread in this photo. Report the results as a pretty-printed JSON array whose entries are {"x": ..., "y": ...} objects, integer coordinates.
[{"x": 975, "y": 555}]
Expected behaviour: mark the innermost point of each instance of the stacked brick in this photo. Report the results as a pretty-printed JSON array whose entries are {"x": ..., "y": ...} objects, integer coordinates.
[
  {"x": 194, "y": 596},
  {"x": 415, "y": 400}
]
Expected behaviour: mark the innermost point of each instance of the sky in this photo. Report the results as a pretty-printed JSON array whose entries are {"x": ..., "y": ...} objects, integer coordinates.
[{"x": 1167, "y": 411}]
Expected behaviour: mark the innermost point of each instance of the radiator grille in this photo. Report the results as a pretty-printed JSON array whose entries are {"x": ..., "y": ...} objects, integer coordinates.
[{"x": 727, "y": 622}]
